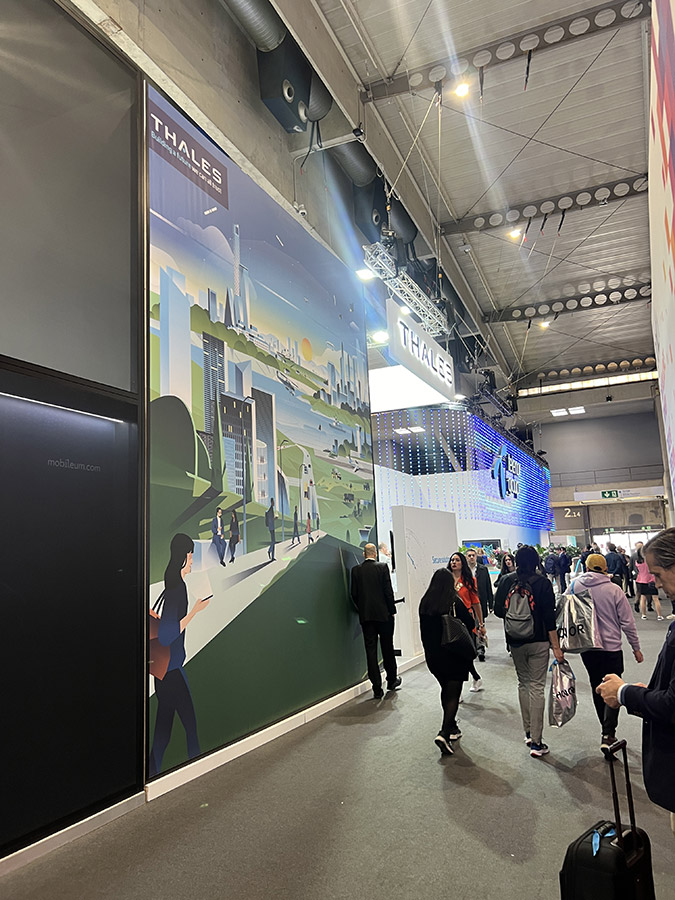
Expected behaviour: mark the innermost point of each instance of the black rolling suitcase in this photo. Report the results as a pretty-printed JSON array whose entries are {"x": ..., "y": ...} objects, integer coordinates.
[{"x": 606, "y": 862}]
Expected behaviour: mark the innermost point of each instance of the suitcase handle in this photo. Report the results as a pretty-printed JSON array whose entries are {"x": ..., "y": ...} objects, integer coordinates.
[{"x": 613, "y": 750}]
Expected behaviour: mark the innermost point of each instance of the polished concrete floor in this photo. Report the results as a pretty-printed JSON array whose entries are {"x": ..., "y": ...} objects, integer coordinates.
[{"x": 358, "y": 804}]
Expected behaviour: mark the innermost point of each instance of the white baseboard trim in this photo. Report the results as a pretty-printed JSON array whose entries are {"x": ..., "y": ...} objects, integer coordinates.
[
  {"x": 54, "y": 841},
  {"x": 161, "y": 786},
  {"x": 188, "y": 773}
]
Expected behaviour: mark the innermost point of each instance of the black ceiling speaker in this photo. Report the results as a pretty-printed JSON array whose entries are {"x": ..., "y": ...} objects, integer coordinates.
[
  {"x": 370, "y": 209},
  {"x": 285, "y": 79}
]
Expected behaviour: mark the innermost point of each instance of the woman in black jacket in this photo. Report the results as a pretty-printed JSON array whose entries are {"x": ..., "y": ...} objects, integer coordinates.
[
  {"x": 508, "y": 567},
  {"x": 449, "y": 669}
]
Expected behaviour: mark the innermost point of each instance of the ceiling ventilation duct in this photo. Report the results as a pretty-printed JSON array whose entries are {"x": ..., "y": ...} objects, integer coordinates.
[
  {"x": 320, "y": 100},
  {"x": 260, "y": 21},
  {"x": 294, "y": 94},
  {"x": 355, "y": 161},
  {"x": 401, "y": 223}
]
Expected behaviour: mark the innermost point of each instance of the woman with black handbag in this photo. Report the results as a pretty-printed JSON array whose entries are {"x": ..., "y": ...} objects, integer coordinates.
[{"x": 448, "y": 649}]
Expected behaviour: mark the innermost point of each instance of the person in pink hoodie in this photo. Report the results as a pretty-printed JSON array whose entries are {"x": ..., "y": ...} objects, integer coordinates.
[{"x": 613, "y": 616}]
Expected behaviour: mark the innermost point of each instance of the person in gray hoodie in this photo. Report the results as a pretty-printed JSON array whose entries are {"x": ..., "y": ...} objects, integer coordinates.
[{"x": 613, "y": 616}]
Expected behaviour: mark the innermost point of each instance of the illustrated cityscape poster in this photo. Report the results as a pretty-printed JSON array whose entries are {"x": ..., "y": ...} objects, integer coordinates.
[{"x": 259, "y": 408}]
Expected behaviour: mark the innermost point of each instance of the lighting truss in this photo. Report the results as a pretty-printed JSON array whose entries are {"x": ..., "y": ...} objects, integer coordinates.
[{"x": 382, "y": 264}]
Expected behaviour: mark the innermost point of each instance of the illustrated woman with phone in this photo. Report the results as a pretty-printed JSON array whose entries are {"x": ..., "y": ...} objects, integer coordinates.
[{"x": 172, "y": 691}]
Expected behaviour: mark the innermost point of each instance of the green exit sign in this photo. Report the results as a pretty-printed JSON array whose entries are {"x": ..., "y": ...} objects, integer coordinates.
[{"x": 610, "y": 495}]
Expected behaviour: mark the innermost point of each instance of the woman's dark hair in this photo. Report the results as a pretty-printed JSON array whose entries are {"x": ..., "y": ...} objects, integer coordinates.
[
  {"x": 527, "y": 563},
  {"x": 638, "y": 554},
  {"x": 466, "y": 575},
  {"x": 504, "y": 570},
  {"x": 662, "y": 548},
  {"x": 181, "y": 545},
  {"x": 439, "y": 596},
  {"x": 611, "y": 547},
  {"x": 234, "y": 517}
]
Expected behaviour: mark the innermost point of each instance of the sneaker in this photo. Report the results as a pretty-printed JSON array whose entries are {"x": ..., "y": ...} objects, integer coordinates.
[
  {"x": 455, "y": 735},
  {"x": 644, "y": 617},
  {"x": 378, "y": 693},
  {"x": 538, "y": 749},
  {"x": 477, "y": 685},
  {"x": 607, "y": 741},
  {"x": 443, "y": 745},
  {"x": 659, "y": 618},
  {"x": 670, "y": 616},
  {"x": 396, "y": 683},
  {"x": 528, "y": 739}
]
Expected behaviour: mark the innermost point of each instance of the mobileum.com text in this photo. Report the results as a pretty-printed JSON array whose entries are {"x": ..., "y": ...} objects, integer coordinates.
[{"x": 69, "y": 464}]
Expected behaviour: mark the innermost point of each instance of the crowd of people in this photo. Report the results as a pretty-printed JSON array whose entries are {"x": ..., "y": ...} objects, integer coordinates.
[{"x": 452, "y": 616}]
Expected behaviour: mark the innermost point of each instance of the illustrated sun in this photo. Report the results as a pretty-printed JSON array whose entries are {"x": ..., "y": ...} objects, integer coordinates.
[{"x": 306, "y": 348}]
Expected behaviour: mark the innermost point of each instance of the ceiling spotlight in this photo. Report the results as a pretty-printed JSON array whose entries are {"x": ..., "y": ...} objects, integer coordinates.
[
  {"x": 544, "y": 324},
  {"x": 558, "y": 412},
  {"x": 405, "y": 311},
  {"x": 365, "y": 274},
  {"x": 515, "y": 233},
  {"x": 380, "y": 337},
  {"x": 402, "y": 430},
  {"x": 576, "y": 410},
  {"x": 462, "y": 89},
  {"x": 416, "y": 429}
]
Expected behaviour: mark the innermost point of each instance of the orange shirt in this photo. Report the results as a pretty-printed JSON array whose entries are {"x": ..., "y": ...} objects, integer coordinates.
[{"x": 468, "y": 596}]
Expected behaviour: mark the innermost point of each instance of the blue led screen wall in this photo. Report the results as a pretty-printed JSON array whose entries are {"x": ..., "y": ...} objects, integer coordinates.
[{"x": 453, "y": 460}]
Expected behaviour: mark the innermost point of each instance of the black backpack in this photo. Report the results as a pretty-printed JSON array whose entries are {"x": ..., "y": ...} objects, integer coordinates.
[{"x": 519, "y": 618}]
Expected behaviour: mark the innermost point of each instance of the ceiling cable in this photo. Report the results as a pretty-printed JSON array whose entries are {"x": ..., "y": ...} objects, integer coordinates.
[
  {"x": 548, "y": 117},
  {"x": 563, "y": 259},
  {"x": 412, "y": 38},
  {"x": 468, "y": 115},
  {"x": 575, "y": 342},
  {"x": 414, "y": 143}
]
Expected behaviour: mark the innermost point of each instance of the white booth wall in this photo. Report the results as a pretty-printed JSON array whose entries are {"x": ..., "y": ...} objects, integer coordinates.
[{"x": 443, "y": 492}]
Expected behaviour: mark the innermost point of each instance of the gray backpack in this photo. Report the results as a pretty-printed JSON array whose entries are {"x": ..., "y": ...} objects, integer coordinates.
[{"x": 519, "y": 618}]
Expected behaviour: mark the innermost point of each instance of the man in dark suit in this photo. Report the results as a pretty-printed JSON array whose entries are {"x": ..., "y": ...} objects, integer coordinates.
[
  {"x": 615, "y": 565},
  {"x": 374, "y": 599},
  {"x": 218, "y": 535},
  {"x": 483, "y": 583},
  {"x": 655, "y": 702}
]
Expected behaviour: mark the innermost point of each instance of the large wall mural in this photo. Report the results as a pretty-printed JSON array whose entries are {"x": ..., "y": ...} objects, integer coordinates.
[
  {"x": 662, "y": 210},
  {"x": 261, "y": 476}
]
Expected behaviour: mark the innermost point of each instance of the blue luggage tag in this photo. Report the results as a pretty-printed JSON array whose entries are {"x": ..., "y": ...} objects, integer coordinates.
[{"x": 596, "y": 842}]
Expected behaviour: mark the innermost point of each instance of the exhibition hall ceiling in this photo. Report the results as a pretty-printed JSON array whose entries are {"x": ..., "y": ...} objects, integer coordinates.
[{"x": 559, "y": 127}]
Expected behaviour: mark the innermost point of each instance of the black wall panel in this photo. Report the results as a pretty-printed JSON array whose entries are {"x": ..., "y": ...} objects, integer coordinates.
[{"x": 71, "y": 614}]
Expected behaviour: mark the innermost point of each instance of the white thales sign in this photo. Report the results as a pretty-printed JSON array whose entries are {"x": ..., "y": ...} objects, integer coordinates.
[{"x": 411, "y": 346}]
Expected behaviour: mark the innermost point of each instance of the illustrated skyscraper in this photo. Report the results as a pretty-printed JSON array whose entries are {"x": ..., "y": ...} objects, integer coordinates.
[{"x": 174, "y": 336}]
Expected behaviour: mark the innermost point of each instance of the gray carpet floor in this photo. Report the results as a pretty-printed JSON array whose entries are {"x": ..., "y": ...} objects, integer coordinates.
[{"x": 359, "y": 804}]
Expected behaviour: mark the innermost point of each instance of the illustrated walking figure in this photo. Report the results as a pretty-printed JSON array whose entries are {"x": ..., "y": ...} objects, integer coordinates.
[
  {"x": 218, "y": 535},
  {"x": 172, "y": 690},
  {"x": 271, "y": 525},
  {"x": 234, "y": 535},
  {"x": 296, "y": 531}
]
